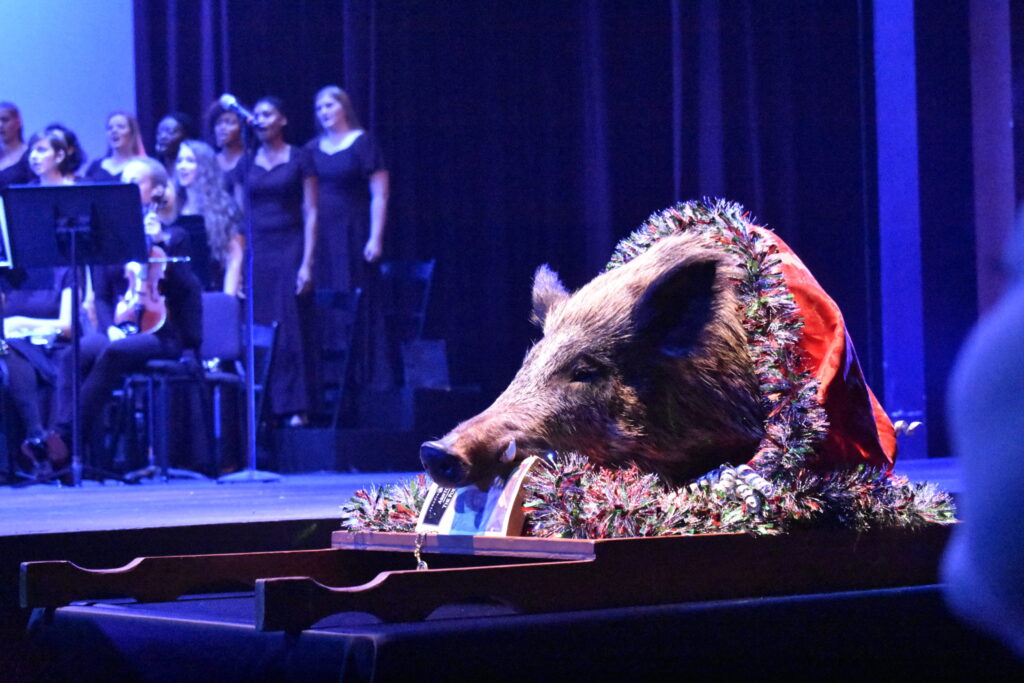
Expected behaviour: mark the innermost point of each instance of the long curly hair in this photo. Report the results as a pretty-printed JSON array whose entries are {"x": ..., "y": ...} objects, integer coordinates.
[{"x": 219, "y": 210}]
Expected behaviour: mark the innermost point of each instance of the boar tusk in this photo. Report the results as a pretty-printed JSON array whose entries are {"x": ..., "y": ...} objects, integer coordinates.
[{"x": 510, "y": 453}]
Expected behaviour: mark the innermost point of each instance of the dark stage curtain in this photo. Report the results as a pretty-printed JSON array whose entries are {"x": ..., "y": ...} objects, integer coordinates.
[{"x": 521, "y": 133}]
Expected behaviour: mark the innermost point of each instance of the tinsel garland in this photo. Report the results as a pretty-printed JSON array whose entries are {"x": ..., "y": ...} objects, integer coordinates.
[
  {"x": 393, "y": 507},
  {"x": 796, "y": 421},
  {"x": 576, "y": 499}
]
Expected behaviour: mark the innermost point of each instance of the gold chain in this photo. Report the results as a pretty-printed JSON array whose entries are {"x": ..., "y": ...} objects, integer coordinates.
[{"x": 420, "y": 563}]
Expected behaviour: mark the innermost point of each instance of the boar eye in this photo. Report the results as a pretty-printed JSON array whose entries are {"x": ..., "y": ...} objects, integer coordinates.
[{"x": 586, "y": 373}]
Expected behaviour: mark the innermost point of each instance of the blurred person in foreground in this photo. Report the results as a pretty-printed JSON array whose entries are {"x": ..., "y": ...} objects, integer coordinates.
[{"x": 983, "y": 568}]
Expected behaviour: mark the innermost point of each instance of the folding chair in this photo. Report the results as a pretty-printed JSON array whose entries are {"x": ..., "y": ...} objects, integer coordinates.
[{"x": 336, "y": 351}]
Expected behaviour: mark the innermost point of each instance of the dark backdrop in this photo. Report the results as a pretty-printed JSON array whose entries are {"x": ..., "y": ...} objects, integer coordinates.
[{"x": 519, "y": 133}]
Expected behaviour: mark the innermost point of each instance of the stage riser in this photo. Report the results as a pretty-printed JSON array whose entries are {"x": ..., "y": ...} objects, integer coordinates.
[
  {"x": 431, "y": 412},
  {"x": 896, "y": 634},
  {"x": 392, "y": 424},
  {"x": 346, "y": 450}
]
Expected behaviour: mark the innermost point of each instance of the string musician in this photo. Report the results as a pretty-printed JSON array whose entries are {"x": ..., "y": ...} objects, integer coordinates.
[{"x": 165, "y": 332}]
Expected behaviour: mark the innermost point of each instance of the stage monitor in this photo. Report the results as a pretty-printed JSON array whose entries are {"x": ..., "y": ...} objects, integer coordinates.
[{"x": 37, "y": 220}]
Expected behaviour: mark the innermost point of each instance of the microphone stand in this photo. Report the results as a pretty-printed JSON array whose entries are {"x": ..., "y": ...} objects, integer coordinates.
[{"x": 250, "y": 473}]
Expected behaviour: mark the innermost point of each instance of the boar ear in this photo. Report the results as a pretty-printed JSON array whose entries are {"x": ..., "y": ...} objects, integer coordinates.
[
  {"x": 676, "y": 307},
  {"x": 548, "y": 290}
]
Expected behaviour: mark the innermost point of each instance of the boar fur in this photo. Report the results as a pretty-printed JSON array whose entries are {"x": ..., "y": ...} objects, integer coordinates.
[{"x": 645, "y": 364}]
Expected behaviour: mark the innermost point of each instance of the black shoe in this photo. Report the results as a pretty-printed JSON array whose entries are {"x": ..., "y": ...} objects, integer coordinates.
[
  {"x": 34, "y": 459},
  {"x": 60, "y": 457},
  {"x": 57, "y": 450}
]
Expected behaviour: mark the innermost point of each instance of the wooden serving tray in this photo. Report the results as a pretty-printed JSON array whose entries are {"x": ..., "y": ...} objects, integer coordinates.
[
  {"x": 497, "y": 546},
  {"x": 375, "y": 574},
  {"x": 51, "y": 584},
  {"x": 618, "y": 573}
]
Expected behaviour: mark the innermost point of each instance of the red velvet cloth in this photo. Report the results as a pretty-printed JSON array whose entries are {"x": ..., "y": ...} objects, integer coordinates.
[{"x": 859, "y": 430}]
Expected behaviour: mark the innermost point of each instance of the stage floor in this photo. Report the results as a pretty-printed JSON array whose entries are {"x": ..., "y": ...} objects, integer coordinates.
[{"x": 51, "y": 509}]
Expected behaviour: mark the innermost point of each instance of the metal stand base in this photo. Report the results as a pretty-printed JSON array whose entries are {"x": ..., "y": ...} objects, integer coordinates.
[
  {"x": 155, "y": 472},
  {"x": 71, "y": 475},
  {"x": 247, "y": 476}
]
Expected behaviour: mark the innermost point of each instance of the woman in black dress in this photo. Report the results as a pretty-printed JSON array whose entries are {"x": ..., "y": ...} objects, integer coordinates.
[
  {"x": 353, "y": 198},
  {"x": 13, "y": 150},
  {"x": 353, "y": 192},
  {"x": 283, "y": 209},
  {"x": 125, "y": 144}
]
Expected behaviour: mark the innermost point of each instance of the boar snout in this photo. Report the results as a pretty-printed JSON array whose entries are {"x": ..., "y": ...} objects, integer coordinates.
[
  {"x": 443, "y": 466},
  {"x": 458, "y": 460}
]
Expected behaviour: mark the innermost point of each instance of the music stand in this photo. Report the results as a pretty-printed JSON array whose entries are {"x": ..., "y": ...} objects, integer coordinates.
[{"x": 73, "y": 226}]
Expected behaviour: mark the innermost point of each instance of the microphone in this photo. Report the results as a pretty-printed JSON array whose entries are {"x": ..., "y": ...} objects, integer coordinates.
[{"x": 231, "y": 103}]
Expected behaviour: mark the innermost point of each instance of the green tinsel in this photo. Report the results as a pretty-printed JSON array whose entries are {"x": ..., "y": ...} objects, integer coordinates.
[
  {"x": 796, "y": 421},
  {"x": 393, "y": 507},
  {"x": 576, "y": 499}
]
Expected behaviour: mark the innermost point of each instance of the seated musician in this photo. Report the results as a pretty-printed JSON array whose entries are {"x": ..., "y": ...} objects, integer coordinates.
[
  {"x": 105, "y": 358},
  {"x": 37, "y": 323},
  {"x": 37, "y": 318}
]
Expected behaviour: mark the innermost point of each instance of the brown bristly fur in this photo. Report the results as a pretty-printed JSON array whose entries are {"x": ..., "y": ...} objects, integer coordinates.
[{"x": 600, "y": 383}]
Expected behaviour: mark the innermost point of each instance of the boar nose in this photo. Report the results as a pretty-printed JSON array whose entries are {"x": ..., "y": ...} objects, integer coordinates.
[{"x": 442, "y": 465}]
